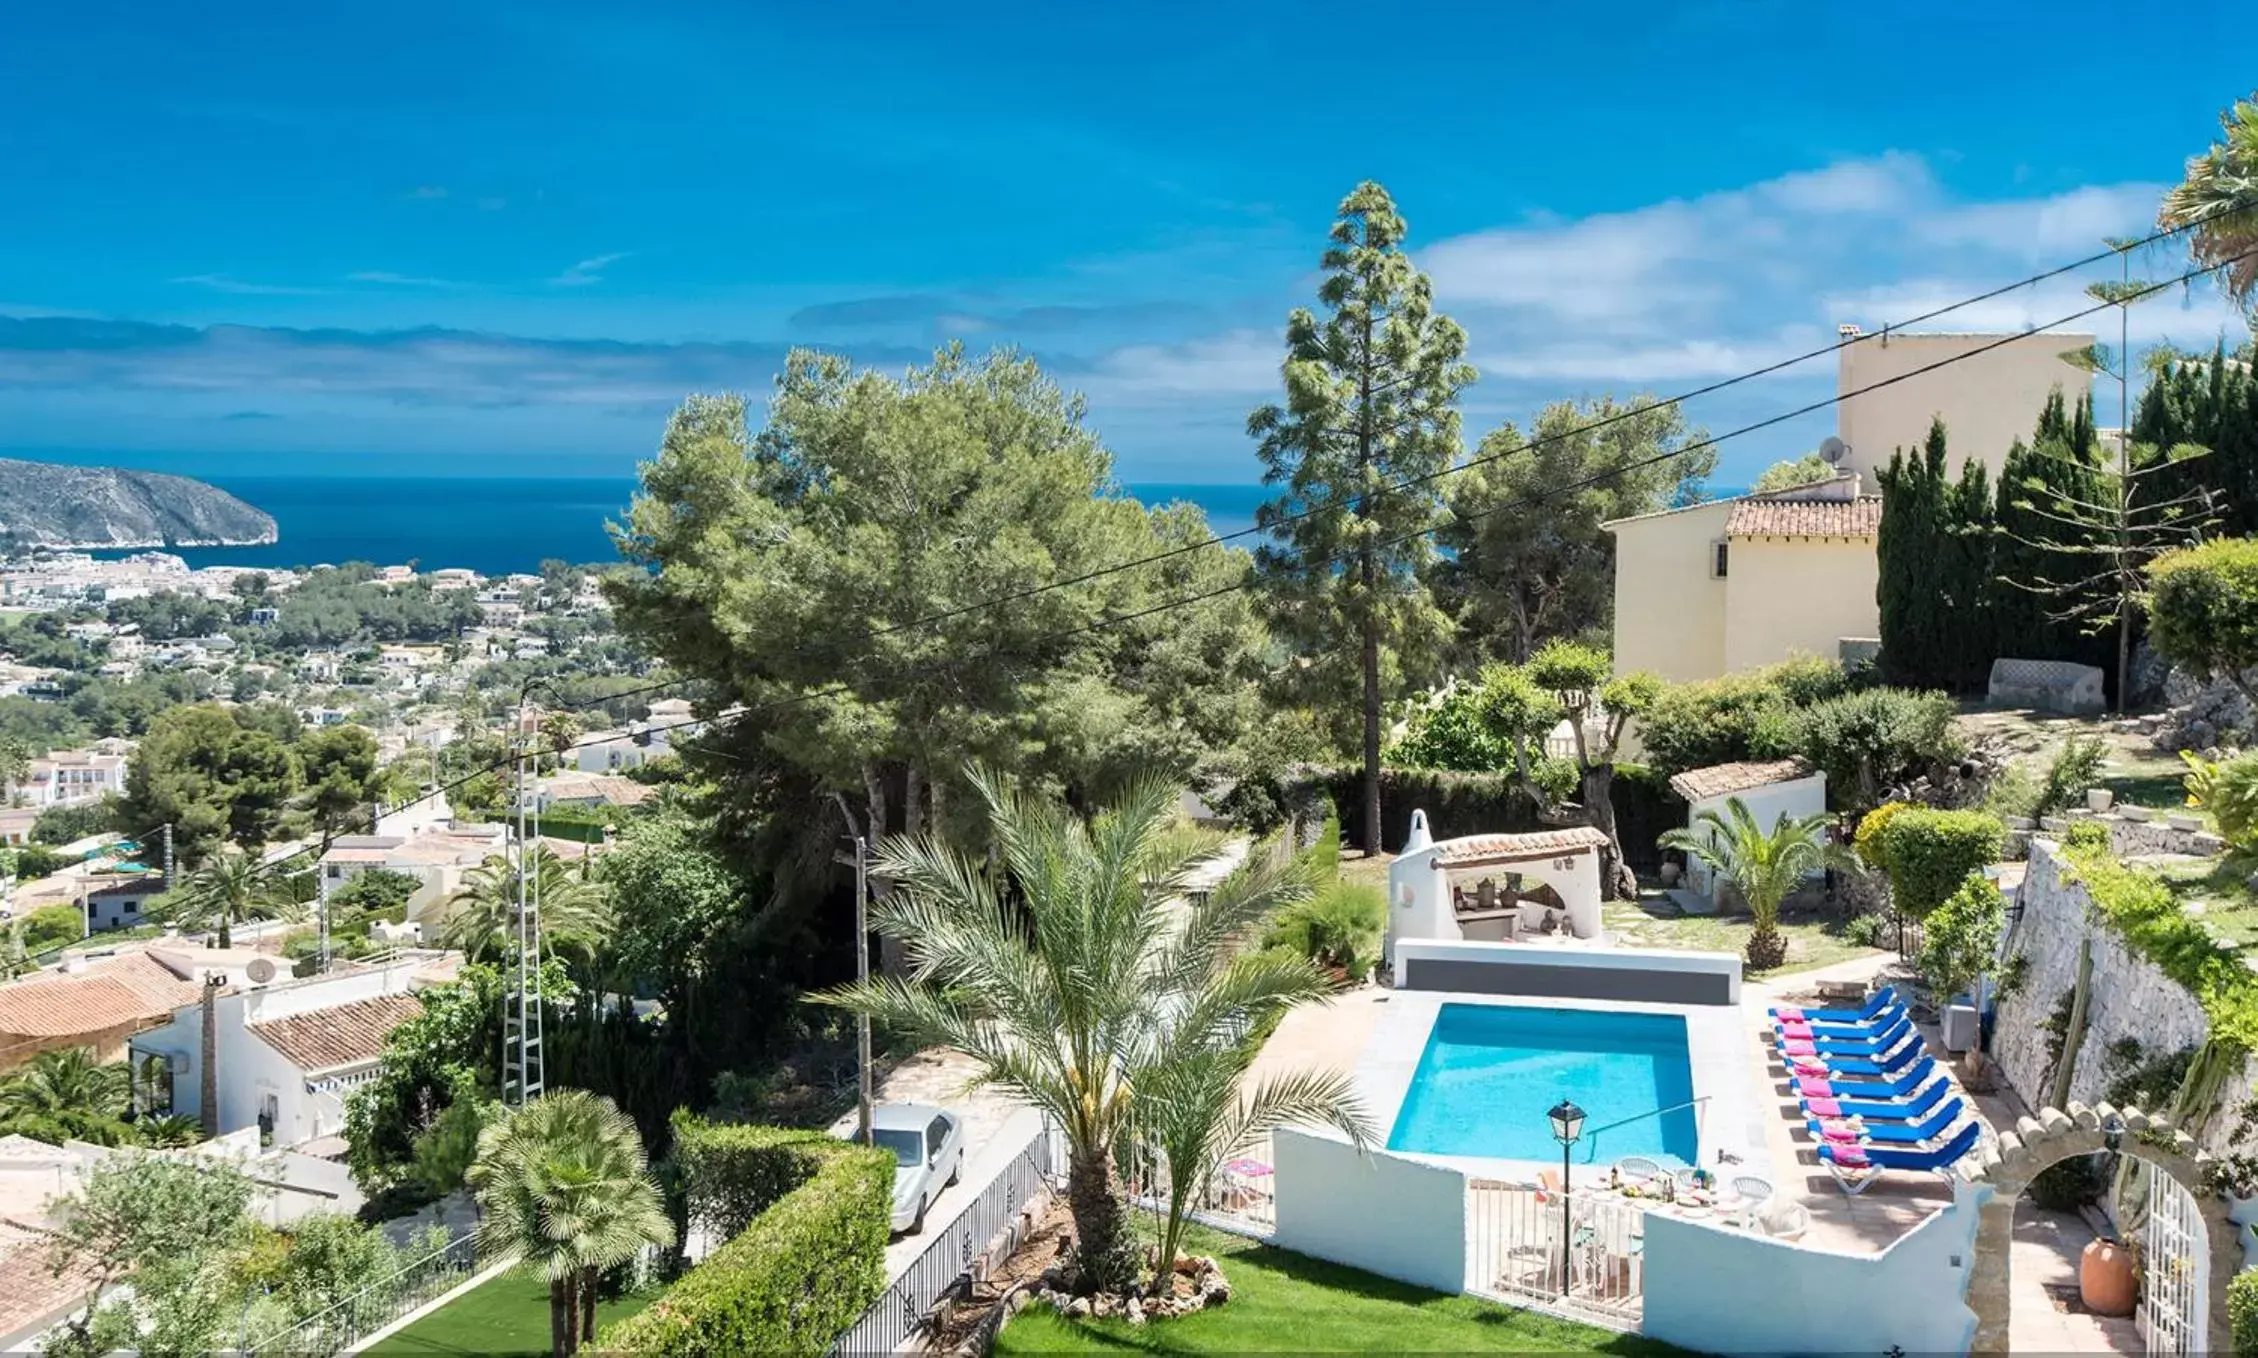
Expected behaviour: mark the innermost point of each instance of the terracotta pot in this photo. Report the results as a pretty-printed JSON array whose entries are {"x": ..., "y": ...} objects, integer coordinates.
[{"x": 2105, "y": 1279}]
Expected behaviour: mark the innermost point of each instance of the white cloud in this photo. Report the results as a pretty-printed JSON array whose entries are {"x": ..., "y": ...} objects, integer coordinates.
[
  {"x": 589, "y": 271},
  {"x": 219, "y": 282},
  {"x": 1240, "y": 363},
  {"x": 386, "y": 278}
]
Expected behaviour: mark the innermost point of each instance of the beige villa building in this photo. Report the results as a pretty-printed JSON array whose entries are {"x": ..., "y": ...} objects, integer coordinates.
[{"x": 1735, "y": 584}]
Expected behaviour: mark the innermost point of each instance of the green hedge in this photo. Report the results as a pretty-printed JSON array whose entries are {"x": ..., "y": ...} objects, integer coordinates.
[
  {"x": 1930, "y": 853},
  {"x": 801, "y": 1271},
  {"x": 732, "y": 1172},
  {"x": 2242, "y": 1312},
  {"x": 1456, "y": 803}
]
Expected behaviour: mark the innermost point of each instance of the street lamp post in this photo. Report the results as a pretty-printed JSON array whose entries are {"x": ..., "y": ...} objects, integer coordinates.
[{"x": 1567, "y": 1126}]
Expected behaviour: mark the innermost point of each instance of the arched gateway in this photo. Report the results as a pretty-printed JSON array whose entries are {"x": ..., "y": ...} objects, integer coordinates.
[{"x": 2054, "y": 1135}]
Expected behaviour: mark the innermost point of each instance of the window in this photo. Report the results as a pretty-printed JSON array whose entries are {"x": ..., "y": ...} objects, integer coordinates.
[
  {"x": 936, "y": 1136},
  {"x": 1717, "y": 560}
]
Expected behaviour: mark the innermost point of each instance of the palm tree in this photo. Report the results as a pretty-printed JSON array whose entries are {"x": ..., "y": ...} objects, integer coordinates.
[
  {"x": 170, "y": 1130},
  {"x": 563, "y": 1184},
  {"x": 1100, "y": 990},
  {"x": 1763, "y": 865},
  {"x": 482, "y": 918},
  {"x": 2219, "y": 201},
  {"x": 230, "y": 886},
  {"x": 63, "y": 1095}
]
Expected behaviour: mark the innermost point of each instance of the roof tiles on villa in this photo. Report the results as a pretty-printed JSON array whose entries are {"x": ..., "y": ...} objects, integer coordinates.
[
  {"x": 132, "y": 989},
  {"x": 1769, "y": 518},
  {"x": 1535, "y": 844},
  {"x": 1723, "y": 780},
  {"x": 346, "y": 1035}
]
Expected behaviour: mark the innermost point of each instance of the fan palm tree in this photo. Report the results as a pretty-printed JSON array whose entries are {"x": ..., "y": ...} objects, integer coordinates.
[
  {"x": 563, "y": 1184},
  {"x": 1100, "y": 990},
  {"x": 63, "y": 1095},
  {"x": 482, "y": 918},
  {"x": 2219, "y": 201},
  {"x": 230, "y": 886},
  {"x": 1763, "y": 865},
  {"x": 170, "y": 1130}
]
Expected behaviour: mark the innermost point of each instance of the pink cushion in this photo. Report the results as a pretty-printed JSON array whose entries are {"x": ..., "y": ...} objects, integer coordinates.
[
  {"x": 1853, "y": 1157},
  {"x": 1795, "y": 1030},
  {"x": 1835, "y": 1130},
  {"x": 1798, "y": 1047},
  {"x": 1788, "y": 1014},
  {"x": 1811, "y": 1087},
  {"x": 1804, "y": 1065},
  {"x": 1822, "y": 1108}
]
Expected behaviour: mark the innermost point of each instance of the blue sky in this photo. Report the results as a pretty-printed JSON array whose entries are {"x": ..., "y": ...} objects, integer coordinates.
[{"x": 475, "y": 237}]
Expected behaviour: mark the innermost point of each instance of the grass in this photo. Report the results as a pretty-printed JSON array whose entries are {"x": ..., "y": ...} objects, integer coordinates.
[
  {"x": 1814, "y": 932},
  {"x": 506, "y": 1314},
  {"x": 1283, "y": 1302},
  {"x": 2217, "y": 892}
]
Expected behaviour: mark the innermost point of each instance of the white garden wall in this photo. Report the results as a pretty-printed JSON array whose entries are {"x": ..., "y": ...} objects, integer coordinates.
[
  {"x": 1399, "y": 1218},
  {"x": 1714, "y": 1289}
]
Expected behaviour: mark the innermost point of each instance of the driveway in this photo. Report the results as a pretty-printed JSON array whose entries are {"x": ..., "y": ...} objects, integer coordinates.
[{"x": 995, "y": 1130}]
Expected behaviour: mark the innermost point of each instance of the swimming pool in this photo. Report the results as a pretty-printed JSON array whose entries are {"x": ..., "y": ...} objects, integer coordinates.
[{"x": 1490, "y": 1071}]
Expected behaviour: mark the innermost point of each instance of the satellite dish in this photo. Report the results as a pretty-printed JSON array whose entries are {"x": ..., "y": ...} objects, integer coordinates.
[
  {"x": 260, "y": 970},
  {"x": 1833, "y": 450}
]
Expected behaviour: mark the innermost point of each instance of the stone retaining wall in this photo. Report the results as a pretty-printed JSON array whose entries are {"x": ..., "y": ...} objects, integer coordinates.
[{"x": 2129, "y": 995}]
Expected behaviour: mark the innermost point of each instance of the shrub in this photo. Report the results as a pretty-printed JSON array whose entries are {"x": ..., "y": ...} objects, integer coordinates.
[
  {"x": 799, "y": 1273},
  {"x": 1717, "y": 721},
  {"x": 374, "y": 891},
  {"x": 2069, "y": 774},
  {"x": 51, "y": 926},
  {"x": 1870, "y": 839},
  {"x": 1929, "y": 853},
  {"x": 2203, "y": 608},
  {"x": 1961, "y": 937},
  {"x": 1864, "y": 931},
  {"x": 1340, "y": 926},
  {"x": 69, "y": 824},
  {"x": 2229, "y": 791},
  {"x": 1804, "y": 679},
  {"x": 733, "y": 1172},
  {"x": 2086, "y": 834},
  {"x": 1325, "y": 855},
  {"x": 1870, "y": 740},
  {"x": 1455, "y": 803},
  {"x": 2242, "y": 1312}
]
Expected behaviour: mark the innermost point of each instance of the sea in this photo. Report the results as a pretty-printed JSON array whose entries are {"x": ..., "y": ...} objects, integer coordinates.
[{"x": 497, "y": 525}]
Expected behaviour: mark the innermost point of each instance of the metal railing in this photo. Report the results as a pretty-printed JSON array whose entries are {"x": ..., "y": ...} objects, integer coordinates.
[
  {"x": 1581, "y": 1249},
  {"x": 368, "y": 1310},
  {"x": 1238, "y": 1195},
  {"x": 987, "y": 1229}
]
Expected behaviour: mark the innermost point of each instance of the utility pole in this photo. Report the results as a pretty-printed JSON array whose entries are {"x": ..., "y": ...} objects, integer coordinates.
[
  {"x": 321, "y": 912},
  {"x": 862, "y": 976},
  {"x": 521, "y": 1007},
  {"x": 169, "y": 882}
]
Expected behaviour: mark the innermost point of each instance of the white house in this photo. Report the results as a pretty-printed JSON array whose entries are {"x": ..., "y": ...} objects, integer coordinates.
[
  {"x": 68, "y": 776},
  {"x": 1769, "y": 789},
  {"x": 436, "y": 857},
  {"x": 288, "y": 1051}
]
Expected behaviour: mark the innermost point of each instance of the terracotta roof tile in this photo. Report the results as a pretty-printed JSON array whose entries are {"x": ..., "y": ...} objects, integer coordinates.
[
  {"x": 135, "y": 988},
  {"x": 1535, "y": 844},
  {"x": 30, "y": 1289},
  {"x": 346, "y": 1035},
  {"x": 1723, "y": 780},
  {"x": 1859, "y": 518}
]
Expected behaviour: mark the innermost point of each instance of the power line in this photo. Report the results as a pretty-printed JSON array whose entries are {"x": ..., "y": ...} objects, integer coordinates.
[{"x": 1532, "y": 446}]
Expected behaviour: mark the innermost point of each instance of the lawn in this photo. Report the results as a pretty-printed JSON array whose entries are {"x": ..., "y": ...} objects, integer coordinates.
[
  {"x": 1282, "y": 1302},
  {"x": 2218, "y": 893},
  {"x": 506, "y": 1314},
  {"x": 1815, "y": 933}
]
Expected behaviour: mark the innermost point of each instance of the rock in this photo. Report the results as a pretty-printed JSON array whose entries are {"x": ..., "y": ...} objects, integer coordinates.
[
  {"x": 1133, "y": 1311},
  {"x": 1021, "y": 1300},
  {"x": 1054, "y": 1279},
  {"x": 1078, "y": 1307}
]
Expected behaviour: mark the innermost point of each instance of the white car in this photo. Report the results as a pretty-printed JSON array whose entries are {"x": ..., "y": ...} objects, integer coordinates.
[{"x": 928, "y": 1147}]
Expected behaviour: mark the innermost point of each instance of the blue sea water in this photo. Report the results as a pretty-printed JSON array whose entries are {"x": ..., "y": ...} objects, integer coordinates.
[
  {"x": 494, "y": 525},
  {"x": 1490, "y": 1072}
]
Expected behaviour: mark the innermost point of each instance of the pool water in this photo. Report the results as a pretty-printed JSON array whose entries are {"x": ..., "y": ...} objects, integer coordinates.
[{"x": 1490, "y": 1073}]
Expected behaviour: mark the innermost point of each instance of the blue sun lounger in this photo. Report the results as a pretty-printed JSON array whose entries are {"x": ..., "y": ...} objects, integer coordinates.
[
  {"x": 1877, "y": 1004},
  {"x": 1896, "y": 1085},
  {"x": 1920, "y": 1133},
  {"x": 1832, "y": 1066},
  {"x": 1867, "y": 1044},
  {"x": 1880, "y": 1109},
  {"x": 1865, "y": 1162}
]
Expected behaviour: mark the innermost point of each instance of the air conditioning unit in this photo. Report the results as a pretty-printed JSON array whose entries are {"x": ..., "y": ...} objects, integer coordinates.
[{"x": 1961, "y": 1026}]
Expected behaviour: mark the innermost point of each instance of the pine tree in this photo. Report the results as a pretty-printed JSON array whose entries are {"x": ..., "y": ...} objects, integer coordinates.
[{"x": 1370, "y": 420}]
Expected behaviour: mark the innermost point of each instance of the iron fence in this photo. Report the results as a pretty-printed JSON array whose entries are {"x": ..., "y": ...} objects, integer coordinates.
[
  {"x": 1524, "y": 1243},
  {"x": 987, "y": 1229},
  {"x": 366, "y": 1311}
]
